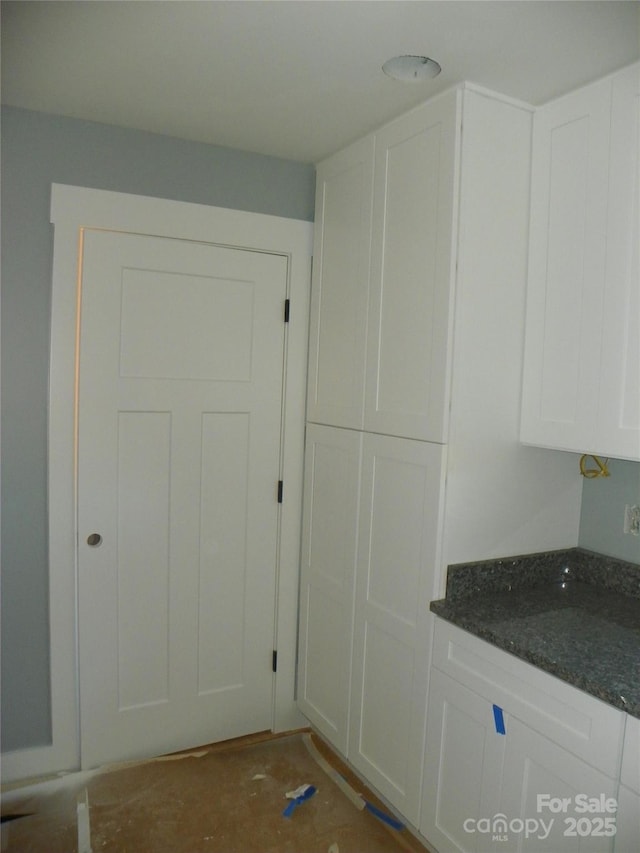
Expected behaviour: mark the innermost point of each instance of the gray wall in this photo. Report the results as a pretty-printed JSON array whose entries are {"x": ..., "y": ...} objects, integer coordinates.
[
  {"x": 38, "y": 150},
  {"x": 602, "y": 518}
]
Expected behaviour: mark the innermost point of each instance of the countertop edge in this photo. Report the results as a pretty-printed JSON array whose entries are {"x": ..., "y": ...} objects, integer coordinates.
[{"x": 441, "y": 608}]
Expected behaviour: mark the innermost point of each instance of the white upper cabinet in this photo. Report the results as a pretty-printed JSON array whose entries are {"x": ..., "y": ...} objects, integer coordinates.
[
  {"x": 381, "y": 293},
  {"x": 581, "y": 387},
  {"x": 411, "y": 272},
  {"x": 340, "y": 287},
  {"x": 566, "y": 269},
  {"x": 619, "y": 414}
]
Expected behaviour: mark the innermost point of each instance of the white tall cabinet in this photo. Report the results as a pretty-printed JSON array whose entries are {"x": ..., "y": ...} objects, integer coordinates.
[
  {"x": 581, "y": 387},
  {"x": 413, "y": 452}
]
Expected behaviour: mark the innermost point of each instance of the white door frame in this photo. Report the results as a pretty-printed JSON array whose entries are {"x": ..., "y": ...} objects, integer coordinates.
[{"x": 75, "y": 208}]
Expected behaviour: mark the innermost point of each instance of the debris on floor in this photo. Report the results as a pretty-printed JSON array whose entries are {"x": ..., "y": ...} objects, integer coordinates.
[
  {"x": 333, "y": 774},
  {"x": 227, "y": 797},
  {"x": 297, "y": 797},
  {"x": 84, "y": 826}
]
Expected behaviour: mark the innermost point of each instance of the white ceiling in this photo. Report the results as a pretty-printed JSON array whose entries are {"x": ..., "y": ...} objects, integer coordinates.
[{"x": 294, "y": 78}]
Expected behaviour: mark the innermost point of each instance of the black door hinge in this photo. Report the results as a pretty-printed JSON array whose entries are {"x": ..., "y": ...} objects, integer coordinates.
[
  {"x": 287, "y": 306},
  {"x": 274, "y": 661},
  {"x": 280, "y": 489}
]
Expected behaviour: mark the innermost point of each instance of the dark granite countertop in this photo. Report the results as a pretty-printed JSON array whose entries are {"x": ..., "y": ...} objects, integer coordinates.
[{"x": 572, "y": 613}]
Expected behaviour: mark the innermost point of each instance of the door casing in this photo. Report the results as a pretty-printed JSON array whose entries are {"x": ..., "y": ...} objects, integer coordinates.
[{"x": 75, "y": 208}]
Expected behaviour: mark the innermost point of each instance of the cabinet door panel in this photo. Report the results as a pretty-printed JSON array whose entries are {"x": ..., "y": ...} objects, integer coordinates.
[
  {"x": 566, "y": 270},
  {"x": 412, "y": 236},
  {"x": 619, "y": 425},
  {"x": 398, "y": 545},
  {"x": 535, "y": 767},
  {"x": 630, "y": 770},
  {"x": 340, "y": 286},
  {"x": 464, "y": 756},
  {"x": 627, "y": 821},
  {"x": 332, "y": 471}
]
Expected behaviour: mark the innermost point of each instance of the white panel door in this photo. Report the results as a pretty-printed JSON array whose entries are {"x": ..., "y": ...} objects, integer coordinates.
[
  {"x": 327, "y": 583},
  {"x": 408, "y": 338},
  {"x": 179, "y": 430},
  {"x": 400, "y": 518}
]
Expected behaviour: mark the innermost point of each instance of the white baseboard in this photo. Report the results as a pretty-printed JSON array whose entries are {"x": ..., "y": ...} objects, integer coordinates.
[{"x": 30, "y": 763}]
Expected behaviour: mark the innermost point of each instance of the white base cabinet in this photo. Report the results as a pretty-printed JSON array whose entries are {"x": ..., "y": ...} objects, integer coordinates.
[
  {"x": 515, "y": 759},
  {"x": 628, "y": 835},
  {"x": 627, "y": 838},
  {"x": 464, "y": 762}
]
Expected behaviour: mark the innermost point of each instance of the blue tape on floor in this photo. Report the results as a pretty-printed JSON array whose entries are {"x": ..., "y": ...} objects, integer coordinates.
[
  {"x": 310, "y": 791},
  {"x": 499, "y": 720},
  {"x": 384, "y": 817}
]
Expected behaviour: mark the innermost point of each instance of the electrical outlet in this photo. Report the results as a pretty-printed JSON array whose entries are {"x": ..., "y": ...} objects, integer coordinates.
[{"x": 632, "y": 520}]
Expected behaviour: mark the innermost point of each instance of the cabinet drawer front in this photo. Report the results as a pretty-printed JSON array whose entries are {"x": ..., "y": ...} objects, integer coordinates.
[{"x": 579, "y": 723}]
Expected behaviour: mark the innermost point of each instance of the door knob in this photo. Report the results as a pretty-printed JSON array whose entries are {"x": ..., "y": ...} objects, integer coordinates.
[{"x": 94, "y": 539}]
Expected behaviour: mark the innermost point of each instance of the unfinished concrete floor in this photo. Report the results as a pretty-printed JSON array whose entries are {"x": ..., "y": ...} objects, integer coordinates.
[{"x": 228, "y": 798}]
